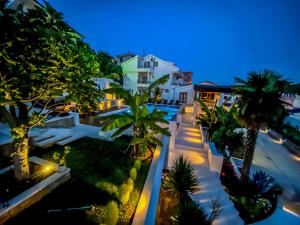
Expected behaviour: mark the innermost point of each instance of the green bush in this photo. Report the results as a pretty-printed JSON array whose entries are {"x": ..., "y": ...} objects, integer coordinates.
[
  {"x": 124, "y": 193},
  {"x": 111, "y": 215},
  {"x": 130, "y": 184},
  {"x": 118, "y": 177},
  {"x": 133, "y": 173},
  {"x": 138, "y": 164},
  {"x": 108, "y": 187}
]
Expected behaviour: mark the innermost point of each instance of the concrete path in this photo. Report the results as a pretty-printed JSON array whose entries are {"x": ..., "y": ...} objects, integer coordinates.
[
  {"x": 187, "y": 143},
  {"x": 277, "y": 161}
]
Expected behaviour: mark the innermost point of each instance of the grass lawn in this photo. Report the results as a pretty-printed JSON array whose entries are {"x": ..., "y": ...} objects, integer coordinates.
[{"x": 98, "y": 170}]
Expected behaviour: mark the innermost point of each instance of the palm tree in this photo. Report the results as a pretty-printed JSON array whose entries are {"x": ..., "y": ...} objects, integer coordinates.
[
  {"x": 143, "y": 123},
  {"x": 182, "y": 178},
  {"x": 259, "y": 104}
]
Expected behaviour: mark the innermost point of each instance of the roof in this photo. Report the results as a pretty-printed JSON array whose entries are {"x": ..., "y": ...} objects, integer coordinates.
[
  {"x": 126, "y": 54},
  {"x": 213, "y": 88}
]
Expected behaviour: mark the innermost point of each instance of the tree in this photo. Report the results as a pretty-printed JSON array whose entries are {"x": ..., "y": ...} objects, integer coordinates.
[
  {"x": 182, "y": 178},
  {"x": 143, "y": 123},
  {"x": 40, "y": 56},
  {"x": 108, "y": 68},
  {"x": 258, "y": 105}
]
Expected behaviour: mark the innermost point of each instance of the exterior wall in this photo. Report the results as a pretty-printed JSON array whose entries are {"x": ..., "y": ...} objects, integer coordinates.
[
  {"x": 134, "y": 66},
  {"x": 187, "y": 89}
]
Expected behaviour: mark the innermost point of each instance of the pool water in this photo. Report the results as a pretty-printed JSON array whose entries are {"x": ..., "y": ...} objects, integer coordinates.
[{"x": 170, "y": 110}]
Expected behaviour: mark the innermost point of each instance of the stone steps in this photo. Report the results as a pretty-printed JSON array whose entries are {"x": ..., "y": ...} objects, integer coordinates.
[
  {"x": 70, "y": 139},
  {"x": 44, "y": 143}
]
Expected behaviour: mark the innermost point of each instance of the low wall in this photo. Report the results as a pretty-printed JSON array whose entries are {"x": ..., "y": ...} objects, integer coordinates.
[
  {"x": 215, "y": 159},
  {"x": 35, "y": 193},
  {"x": 276, "y": 136},
  {"x": 291, "y": 146},
  {"x": 147, "y": 206}
]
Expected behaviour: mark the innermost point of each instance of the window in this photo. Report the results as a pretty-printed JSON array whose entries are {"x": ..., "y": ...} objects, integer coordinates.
[
  {"x": 147, "y": 64},
  {"x": 182, "y": 97},
  {"x": 121, "y": 59},
  {"x": 155, "y": 64}
]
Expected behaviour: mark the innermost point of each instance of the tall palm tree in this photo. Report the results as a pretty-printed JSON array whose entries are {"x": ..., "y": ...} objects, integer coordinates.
[{"x": 259, "y": 104}]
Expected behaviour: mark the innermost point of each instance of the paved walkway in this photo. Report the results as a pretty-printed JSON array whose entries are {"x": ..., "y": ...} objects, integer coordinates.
[
  {"x": 187, "y": 143},
  {"x": 277, "y": 161}
]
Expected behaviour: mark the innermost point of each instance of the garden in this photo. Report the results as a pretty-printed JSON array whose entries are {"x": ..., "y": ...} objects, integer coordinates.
[
  {"x": 175, "y": 205},
  {"x": 105, "y": 186},
  {"x": 234, "y": 132}
]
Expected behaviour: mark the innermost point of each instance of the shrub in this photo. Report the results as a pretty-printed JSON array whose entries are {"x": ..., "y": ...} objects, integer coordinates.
[
  {"x": 191, "y": 213},
  {"x": 130, "y": 184},
  {"x": 118, "y": 176},
  {"x": 182, "y": 178},
  {"x": 124, "y": 193},
  {"x": 264, "y": 184},
  {"x": 111, "y": 215},
  {"x": 133, "y": 173},
  {"x": 108, "y": 187},
  {"x": 137, "y": 164}
]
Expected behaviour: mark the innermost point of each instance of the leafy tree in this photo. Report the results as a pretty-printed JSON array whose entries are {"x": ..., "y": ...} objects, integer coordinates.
[
  {"x": 182, "y": 178},
  {"x": 154, "y": 89},
  {"x": 258, "y": 105},
  {"x": 108, "y": 68},
  {"x": 40, "y": 55}
]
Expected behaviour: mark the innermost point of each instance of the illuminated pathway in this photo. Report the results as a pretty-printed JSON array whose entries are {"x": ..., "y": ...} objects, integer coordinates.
[{"x": 188, "y": 142}]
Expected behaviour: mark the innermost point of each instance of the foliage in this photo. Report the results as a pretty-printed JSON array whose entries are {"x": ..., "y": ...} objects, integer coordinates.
[
  {"x": 264, "y": 184},
  {"x": 124, "y": 193},
  {"x": 133, "y": 173},
  {"x": 59, "y": 158},
  {"x": 130, "y": 184},
  {"x": 118, "y": 176},
  {"x": 41, "y": 55},
  {"x": 191, "y": 213},
  {"x": 182, "y": 178},
  {"x": 137, "y": 164},
  {"x": 108, "y": 68},
  {"x": 259, "y": 105},
  {"x": 291, "y": 133},
  {"x": 111, "y": 215},
  {"x": 142, "y": 122}
]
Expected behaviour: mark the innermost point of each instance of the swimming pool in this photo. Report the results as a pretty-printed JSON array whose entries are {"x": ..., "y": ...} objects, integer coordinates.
[{"x": 170, "y": 110}]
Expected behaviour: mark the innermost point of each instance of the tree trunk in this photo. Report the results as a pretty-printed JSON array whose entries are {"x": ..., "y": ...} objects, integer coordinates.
[
  {"x": 249, "y": 152},
  {"x": 21, "y": 165}
]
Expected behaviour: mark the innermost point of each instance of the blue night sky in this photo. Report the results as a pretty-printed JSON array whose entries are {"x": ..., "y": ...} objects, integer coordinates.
[{"x": 215, "y": 39}]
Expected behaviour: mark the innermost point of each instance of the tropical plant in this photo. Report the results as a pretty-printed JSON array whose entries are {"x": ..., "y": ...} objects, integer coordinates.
[
  {"x": 142, "y": 122},
  {"x": 259, "y": 104},
  {"x": 40, "y": 56},
  {"x": 191, "y": 213},
  {"x": 264, "y": 184},
  {"x": 154, "y": 89},
  {"x": 208, "y": 118},
  {"x": 182, "y": 178}
]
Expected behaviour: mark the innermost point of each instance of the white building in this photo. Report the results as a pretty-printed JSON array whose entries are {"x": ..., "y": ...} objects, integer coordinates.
[{"x": 139, "y": 72}]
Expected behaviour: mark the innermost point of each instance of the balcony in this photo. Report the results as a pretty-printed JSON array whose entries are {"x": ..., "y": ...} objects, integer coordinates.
[{"x": 143, "y": 80}]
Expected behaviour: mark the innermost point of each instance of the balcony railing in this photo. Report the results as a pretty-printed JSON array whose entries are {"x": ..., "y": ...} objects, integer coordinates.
[{"x": 143, "y": 81}]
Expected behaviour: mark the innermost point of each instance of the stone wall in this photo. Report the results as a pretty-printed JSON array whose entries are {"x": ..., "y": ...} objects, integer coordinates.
[{"x": 65, "y": 122}]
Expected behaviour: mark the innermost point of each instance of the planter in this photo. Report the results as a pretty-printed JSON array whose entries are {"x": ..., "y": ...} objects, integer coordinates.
[
  {"x": 36, "y": 192},
  {"x": 215, "y": 159}
]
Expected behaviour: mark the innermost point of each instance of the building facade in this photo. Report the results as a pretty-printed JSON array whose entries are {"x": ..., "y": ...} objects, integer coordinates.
[{"x": 139, "y": 72}]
